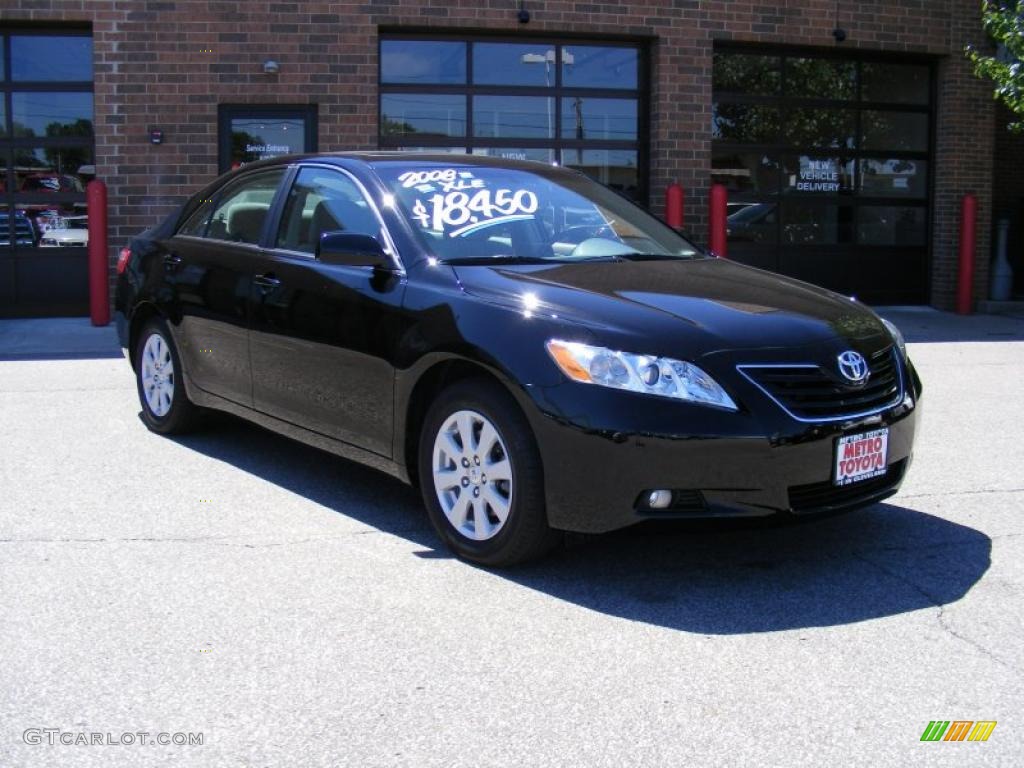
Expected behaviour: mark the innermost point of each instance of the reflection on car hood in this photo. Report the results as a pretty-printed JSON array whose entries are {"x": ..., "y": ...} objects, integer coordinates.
[{"x": 712, "y": 303}]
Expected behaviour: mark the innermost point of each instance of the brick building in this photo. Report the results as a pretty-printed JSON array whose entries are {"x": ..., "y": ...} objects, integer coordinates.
[{"x": 845, "y": 160}]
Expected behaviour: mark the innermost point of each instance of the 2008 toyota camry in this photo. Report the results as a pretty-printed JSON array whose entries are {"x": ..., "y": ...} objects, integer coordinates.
[{"x": 535, "y": 352}]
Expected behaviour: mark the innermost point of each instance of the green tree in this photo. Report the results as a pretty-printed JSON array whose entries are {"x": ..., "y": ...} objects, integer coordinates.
[
  {"x": 1004, "y": 22},
  {"x": 69, "y": 159}
]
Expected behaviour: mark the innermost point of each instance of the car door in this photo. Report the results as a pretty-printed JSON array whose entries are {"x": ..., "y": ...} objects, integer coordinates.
[
  {"x": 209, "y": 265},
  {"x": 323, "y": 335}
]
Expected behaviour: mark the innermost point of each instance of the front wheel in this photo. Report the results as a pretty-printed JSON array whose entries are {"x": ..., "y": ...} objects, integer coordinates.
[
  {"x": 165, "y": 405},
  {"x": 481, "y": 476}
]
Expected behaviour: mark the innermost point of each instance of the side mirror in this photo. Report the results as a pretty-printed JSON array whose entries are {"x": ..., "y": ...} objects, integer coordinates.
[{"x": 351, "y": 250}]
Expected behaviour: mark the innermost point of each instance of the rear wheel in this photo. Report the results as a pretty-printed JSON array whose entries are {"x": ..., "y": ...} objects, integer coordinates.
[
  {"x": 165, "y": 405},
  {"x": 481, "y": 476}
]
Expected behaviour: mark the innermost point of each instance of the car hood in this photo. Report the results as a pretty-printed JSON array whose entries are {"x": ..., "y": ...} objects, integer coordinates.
[
  {"x": 713, "y": 304},
  {"x": 67, "y": 234}
]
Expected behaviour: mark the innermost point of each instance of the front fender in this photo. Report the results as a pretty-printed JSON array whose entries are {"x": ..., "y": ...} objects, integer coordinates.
[{"x": 448, "y": 326}]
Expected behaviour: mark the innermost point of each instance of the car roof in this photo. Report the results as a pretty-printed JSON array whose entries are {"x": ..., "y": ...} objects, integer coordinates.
[
  {"x": 372, "y": 157},
  {"x": 369, "y": 158}
]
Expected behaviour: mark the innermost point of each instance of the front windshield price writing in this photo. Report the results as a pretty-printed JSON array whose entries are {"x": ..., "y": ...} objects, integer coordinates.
[{"x": 458, "y": 213}]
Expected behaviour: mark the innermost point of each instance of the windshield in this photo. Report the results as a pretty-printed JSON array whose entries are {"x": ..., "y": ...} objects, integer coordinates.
[{"x": 464, "y": 212}]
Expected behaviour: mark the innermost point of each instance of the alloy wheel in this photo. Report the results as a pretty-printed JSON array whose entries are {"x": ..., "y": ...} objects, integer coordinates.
[
  {"x": 157, "y": 375},
  {"x": 472, "y": 475}
]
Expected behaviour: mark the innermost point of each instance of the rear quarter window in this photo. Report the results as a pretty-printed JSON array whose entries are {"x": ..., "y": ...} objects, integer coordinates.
[{"x": 195, "y": 224}]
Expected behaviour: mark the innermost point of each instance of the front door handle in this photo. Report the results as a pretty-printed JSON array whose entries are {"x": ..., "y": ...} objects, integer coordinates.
[{"x": 267, "y": 281}]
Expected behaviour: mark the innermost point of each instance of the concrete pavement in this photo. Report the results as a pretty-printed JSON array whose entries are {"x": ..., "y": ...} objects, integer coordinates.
[{"x": 297, "y": 610}]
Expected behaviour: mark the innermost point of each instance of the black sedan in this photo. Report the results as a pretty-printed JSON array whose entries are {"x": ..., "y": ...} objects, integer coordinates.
[{"x": 532, "y": 350}]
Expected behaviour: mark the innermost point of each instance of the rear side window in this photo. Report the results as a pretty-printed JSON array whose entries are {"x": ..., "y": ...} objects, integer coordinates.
[
  {"x": 322, "y": 200},
  {"x": 240, "y": 212}
]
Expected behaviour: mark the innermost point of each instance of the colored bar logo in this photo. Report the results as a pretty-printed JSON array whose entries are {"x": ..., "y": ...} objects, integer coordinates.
[{"x": 958, "y": 730}]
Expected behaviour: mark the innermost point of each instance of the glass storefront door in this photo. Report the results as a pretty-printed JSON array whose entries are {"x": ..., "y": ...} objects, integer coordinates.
[
  {"x": 46, "y": 158},
  {"x": 827, "y": 162}
]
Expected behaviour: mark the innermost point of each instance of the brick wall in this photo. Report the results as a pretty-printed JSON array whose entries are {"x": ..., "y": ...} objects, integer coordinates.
[
  {"x": 963, "y": 157},
  {"x": 169, "y": 63}
]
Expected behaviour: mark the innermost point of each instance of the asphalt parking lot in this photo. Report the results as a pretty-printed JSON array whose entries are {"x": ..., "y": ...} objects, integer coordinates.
[{"x": 296, "y": 610}]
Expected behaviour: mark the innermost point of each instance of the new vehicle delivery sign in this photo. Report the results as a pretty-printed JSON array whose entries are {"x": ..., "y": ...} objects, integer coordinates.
[{"x": 860, "y": 457}]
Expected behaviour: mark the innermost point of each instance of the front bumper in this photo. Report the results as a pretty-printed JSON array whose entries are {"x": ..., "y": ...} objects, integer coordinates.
[{"x": 602, "y": 449}]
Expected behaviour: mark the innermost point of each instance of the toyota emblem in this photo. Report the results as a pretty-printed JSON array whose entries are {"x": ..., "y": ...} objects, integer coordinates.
[{"x": 854, "y": 367}]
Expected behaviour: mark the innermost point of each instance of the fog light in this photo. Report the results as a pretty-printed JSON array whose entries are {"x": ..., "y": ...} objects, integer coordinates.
[{"x": 659, "y": 499}]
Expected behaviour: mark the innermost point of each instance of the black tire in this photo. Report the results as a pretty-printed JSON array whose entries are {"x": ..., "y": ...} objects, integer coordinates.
[
  {"x": 183, "y": 415},
  {"x": 525, "y": 534}
]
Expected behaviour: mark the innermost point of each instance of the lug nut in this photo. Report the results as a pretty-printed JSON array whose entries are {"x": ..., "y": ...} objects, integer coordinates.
[
  {"x": 465, "y": 461},
  {"x": 465, "y": 482},
  {"x": 476, "y": 491}
]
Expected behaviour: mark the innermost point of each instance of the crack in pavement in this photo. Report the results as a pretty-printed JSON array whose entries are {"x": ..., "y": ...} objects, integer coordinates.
[
  {"x": 63, "y": 389},
  {"x": 941, "y": 615},
  {"x": 978, "y": 492},
  {"x": 779, "y": 560},
  {"x": 203, "y": 539},
  {"x": 958, "y": 544},
  {"x": 104, "y": 540},
  {"x": 337, "y": 537}
]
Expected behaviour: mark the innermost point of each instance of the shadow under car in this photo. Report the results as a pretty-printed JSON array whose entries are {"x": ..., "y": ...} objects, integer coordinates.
[{"x": 721, "y": 577}]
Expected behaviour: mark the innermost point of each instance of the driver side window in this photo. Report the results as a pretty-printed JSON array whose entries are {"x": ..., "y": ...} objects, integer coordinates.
[{"x": 322, "y": 200}]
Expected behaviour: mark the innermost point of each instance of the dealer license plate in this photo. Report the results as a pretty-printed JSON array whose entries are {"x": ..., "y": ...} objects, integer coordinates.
[{"x": 861, "y": 457}]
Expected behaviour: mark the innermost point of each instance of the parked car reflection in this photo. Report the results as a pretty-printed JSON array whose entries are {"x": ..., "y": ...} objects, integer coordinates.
[
  {"x": 67, "y": 232},
  {"x": 24, "y": 231},
  {"x": 755, "y": 223}
]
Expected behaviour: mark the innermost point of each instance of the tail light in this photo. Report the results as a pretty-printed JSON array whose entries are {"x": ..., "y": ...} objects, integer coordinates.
[{"x": 122, "y": 260}]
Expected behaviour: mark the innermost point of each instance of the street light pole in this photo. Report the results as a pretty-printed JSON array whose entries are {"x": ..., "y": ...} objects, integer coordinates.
[{"x": 548, "y": 60}]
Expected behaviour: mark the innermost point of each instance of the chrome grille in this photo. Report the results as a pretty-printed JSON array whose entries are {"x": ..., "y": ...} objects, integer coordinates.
[{"x": 809, "y": 393}]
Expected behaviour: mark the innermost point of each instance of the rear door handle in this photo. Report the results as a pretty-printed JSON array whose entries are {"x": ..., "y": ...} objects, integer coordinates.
[
  {"x": 172, "y": 261},
  {"x": 266, "y": 281}
]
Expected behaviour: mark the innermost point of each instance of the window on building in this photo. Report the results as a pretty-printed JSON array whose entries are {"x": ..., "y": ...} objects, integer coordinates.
[
  {"x": 251, "y": 132},
  {"x": 825, "y": 158},
  {"x": 46, "y": 159},
  {"x": 580, "y": 104}
]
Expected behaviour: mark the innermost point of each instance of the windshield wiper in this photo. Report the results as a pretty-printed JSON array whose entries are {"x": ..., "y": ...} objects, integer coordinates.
[
  {"x": 488, "y": 260},
  {"x": 485, "y": 260},
  {"x": 637, "y": 256}
]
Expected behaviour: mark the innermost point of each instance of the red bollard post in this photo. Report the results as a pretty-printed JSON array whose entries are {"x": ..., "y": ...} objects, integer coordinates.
[
  {"x": 716, "y": 220},
  {"x": 674, "y": 205},
  {"x": 99, "y": 270},
  {"x": 965, "y": 276}
]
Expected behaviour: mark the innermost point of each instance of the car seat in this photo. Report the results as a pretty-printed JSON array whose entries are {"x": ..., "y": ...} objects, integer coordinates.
[{"x": 245, "y": 222}]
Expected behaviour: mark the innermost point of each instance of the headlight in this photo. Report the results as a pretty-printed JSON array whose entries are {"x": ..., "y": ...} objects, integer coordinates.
[
  {"x": 897, "y": 336},
  {"x": 660, "y": 376}
]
